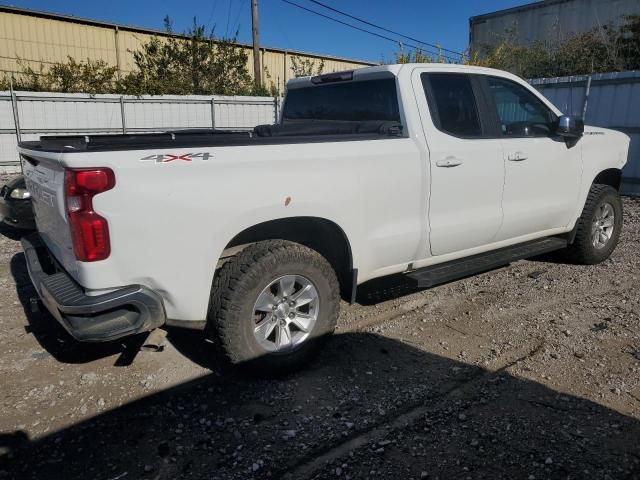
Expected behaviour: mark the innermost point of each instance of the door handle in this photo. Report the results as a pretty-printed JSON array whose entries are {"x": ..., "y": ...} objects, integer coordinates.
[
  {"x": 449, "y": 162},
  {"x": 517, "y": 156}
]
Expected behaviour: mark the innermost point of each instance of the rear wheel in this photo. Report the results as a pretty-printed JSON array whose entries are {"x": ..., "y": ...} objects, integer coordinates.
[
  {"x": 598, "y": 228},
  {"x": 272, "y": 304}
]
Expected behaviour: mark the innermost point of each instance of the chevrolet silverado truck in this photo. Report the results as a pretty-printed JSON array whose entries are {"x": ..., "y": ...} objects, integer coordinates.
[{"x": 428, "y": 170}]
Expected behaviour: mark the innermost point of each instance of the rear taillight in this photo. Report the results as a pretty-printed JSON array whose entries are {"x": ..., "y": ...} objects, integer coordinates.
[{"x": 89, "y": 231}]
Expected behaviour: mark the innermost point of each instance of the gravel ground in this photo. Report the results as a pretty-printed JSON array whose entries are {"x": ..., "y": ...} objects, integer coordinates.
[{"x": 531, "y": 371}]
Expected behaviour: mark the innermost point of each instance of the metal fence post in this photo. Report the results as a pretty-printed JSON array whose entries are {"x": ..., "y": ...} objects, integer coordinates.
[
  {"x": 213, "y": 113},
  {"x": 276, "y": 101},
  {"x": 586, "y": 98},
  {"x": 16, "y": 115},
  {"x": 124, "y": 119}
]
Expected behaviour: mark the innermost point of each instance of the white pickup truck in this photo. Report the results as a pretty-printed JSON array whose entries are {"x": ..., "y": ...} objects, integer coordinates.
[{"x": 435, "y": 171}]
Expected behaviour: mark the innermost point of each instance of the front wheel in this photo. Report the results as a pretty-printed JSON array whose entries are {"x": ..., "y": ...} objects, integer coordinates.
[
  {"x": 598, "y": 228},
  {"x": 272, "y": 304}
]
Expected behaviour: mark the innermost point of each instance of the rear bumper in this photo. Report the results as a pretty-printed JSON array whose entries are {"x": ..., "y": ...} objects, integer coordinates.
[{"x": 122, "y": 312}]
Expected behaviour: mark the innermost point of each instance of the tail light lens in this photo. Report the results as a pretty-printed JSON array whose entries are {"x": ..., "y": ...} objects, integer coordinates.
[{"x": 89, "y": 231}]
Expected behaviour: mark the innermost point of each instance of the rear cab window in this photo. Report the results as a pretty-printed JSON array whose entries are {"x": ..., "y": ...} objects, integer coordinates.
[{"x": 364, "y": 100}]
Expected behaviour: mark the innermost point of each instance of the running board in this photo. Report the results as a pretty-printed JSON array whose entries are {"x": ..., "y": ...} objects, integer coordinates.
[{"x": 463, "y": 267}]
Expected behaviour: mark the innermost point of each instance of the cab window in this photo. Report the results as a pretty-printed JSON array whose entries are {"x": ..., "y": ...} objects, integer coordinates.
[
  {"x": 452, "y": 104},
  {"x": 520, "y": 112}
]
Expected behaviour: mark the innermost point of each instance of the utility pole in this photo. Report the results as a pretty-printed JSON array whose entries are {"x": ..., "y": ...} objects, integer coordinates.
[{"x": 257, "y": 71}]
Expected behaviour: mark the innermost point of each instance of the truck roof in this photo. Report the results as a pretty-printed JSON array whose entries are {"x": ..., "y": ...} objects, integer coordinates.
[{"x": 385, "y": 71}]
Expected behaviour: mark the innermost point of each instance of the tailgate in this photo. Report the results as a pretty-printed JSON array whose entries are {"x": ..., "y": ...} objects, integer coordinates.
[{"x": 44, "y": 176}]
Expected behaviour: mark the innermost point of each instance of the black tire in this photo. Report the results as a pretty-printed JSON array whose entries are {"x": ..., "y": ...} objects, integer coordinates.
[
  {"x": 240, "y": 281},
  {"x": 582, "y": 250}
]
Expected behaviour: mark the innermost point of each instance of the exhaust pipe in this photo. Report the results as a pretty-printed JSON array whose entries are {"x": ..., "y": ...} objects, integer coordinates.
[{"x": 155, "y": 341}]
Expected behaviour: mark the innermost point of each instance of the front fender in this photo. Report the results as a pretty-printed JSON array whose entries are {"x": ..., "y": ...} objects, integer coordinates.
[{"x": 602, "y": 149}]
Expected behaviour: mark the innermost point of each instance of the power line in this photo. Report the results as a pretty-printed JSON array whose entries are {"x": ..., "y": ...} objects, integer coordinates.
[
  {"x": 226, "y": 32},
  {"x": 213, "y": 9},
  {"x": 236, "y": 22},
  {"x": 368, "y": 31},
  {"x": 383, "y": 28}
]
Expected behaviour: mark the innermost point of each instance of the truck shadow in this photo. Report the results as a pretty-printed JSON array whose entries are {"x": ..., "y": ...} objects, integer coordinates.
[
  {"x": 53, "y": 338},
  {"x": 456, "y": 421},
  {"x": 12, "y": 233},
  {"x": 57, "y": 342}
]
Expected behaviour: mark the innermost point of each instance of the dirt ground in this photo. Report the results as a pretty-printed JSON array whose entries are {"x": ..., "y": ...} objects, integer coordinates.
[{"x": 527, "y": 372}]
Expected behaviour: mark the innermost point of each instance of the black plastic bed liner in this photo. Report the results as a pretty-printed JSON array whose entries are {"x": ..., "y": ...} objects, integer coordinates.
[{"x": 294, "y": 132}]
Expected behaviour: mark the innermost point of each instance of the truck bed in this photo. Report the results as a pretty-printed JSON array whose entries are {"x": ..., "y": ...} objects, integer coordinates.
[{"x": 286, "y": 133}]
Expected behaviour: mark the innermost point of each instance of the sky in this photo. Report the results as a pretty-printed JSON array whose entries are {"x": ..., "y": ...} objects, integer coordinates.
[{"x": 285, "y": 26}]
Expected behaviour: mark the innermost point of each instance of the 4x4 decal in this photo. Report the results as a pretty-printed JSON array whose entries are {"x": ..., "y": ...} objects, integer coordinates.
[{"x": 171, "y": 157}]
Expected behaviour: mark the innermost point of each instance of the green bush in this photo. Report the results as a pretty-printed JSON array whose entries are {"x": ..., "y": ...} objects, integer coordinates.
[
  {"x": 305, "y": 67},
  {"x": 416, "y": 56},
  {"x": 603, "y": 49},
  {"x": 72, "y": 76},
  {"x": 199, "y": 64}
]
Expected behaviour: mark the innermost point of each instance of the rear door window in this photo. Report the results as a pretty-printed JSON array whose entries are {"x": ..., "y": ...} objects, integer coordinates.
[
  {"x": 350, "y": 101},
  {"x": 452, "y": 103}
]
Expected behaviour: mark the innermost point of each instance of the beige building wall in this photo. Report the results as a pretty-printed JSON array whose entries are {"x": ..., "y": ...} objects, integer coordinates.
[{"x": 38, "y": 39}]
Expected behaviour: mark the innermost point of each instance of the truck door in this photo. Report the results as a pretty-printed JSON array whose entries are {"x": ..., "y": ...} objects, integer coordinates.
[
  {"x": 467, "y": 169},
  {"x": 542, "y": 171}
]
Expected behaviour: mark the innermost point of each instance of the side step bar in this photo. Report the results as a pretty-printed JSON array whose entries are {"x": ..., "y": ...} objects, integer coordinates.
[{"x": 463, "y": 267}]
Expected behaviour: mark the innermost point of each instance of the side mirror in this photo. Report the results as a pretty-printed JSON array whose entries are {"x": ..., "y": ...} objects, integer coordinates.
[{"x": 570, "y": 126}]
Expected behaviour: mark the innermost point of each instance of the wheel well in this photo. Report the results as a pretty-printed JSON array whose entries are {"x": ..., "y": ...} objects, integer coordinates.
[
  {"x": 321, "y": 235},
  {"x": 611, "y": 177}
]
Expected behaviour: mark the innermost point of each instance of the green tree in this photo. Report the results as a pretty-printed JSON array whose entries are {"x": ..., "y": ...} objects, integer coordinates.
[
  {"x": 306, "y": 67},
  {"x": 199, "y": 64},
  {"x": 602, "y": 49}
]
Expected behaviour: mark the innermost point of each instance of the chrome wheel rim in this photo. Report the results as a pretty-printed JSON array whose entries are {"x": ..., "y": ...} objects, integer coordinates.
[
  {"x": 603, "y": 225},
  {"x": 285, "y": 313}
]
